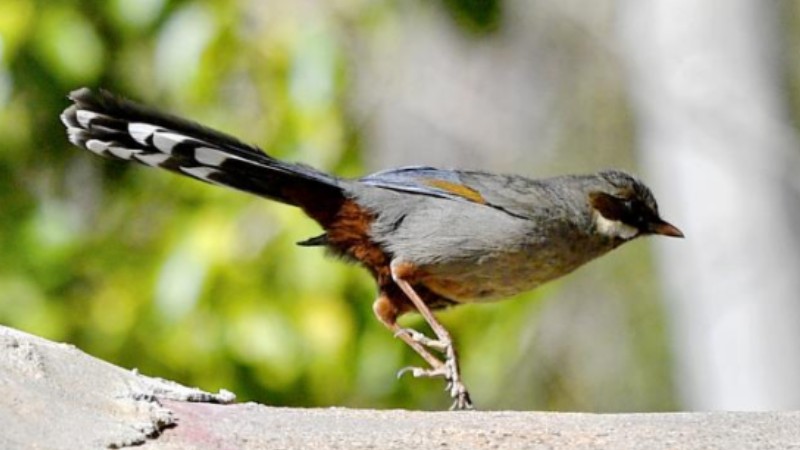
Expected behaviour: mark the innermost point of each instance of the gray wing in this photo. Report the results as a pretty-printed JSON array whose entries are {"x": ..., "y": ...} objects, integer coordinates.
[{"x": 511, "y": 194}]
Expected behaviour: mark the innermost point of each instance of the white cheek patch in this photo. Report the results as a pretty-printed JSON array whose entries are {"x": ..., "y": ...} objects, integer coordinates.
[{"x": 614, "y": 228}]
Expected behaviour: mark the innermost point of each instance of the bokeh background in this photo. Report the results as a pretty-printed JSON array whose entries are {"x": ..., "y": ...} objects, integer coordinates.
[{"x": 205, "y": 286}]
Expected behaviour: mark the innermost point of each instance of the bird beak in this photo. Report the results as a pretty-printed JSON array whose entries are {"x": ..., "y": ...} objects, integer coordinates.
[{"x": 665, "y": 229}]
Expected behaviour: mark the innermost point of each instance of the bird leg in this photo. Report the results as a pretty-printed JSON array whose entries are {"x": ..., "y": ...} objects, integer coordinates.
[
  {"x": 387, "y": 314},
  {"x": 443, "y": 342}
]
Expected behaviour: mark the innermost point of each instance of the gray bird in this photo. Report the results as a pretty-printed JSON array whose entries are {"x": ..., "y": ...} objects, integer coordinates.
[{"x": 431, "y": 238}]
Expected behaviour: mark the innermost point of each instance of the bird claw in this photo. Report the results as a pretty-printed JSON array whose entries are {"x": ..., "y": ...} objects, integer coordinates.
[
  {"x": 448, "y": 371},
  {"x": 416, "y": 336},
  {"x": 462, "y": 401},
  {"x": 457, "y": 389},
  {"x": 419, "y": 372}
]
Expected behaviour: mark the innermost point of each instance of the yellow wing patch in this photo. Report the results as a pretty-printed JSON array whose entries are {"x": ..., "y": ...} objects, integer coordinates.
[{"x": 457, "y": 189}]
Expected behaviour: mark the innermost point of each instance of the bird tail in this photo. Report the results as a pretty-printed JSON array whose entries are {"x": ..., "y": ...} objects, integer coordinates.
[{"x": 120, "y": 129}]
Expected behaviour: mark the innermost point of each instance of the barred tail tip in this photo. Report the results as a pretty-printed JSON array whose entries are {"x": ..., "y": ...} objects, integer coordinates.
[{"x": 119, "y": 129}]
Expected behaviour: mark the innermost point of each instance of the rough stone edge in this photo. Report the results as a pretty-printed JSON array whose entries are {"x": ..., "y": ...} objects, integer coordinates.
[{"x": 47, "y": 375}]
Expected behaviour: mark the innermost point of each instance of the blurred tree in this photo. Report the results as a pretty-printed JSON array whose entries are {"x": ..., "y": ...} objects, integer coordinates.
[
  {"x": 715, "y": 126},
  {"x": 476, "y": 15}
]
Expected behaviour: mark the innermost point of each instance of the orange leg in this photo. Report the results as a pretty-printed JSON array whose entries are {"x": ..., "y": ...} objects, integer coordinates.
[
  {"x": 386, "y": 312},
  {"x": 450, "y": 371}
]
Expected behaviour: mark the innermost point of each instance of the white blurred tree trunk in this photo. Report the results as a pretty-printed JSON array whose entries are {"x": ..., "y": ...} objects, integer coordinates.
[{"x": 714, "y": 132}]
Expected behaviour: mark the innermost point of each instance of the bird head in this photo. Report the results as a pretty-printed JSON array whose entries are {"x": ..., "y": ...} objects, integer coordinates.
[{"x": 624, "y": 208}]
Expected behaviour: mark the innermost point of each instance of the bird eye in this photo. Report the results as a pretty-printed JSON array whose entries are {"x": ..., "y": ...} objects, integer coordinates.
[{"x": 636, "y": 214}]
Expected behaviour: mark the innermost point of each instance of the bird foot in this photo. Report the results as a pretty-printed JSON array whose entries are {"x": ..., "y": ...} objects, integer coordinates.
[
  {"x": 461, "y": 401},
  {"x": 416, "y": 336},
  {"x": 449, "y": 370},
  {"x": 419, "y": 372},
  {"x": 456, "y": 388}
]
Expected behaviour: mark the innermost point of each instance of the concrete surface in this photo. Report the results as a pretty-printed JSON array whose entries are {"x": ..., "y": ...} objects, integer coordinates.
[{"x": 53, "y": 396}]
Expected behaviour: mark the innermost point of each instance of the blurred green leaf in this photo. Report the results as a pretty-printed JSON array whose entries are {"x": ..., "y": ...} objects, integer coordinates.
[
  {"x": 480, "y": 16},
  {"x": 67, "y": 43}
]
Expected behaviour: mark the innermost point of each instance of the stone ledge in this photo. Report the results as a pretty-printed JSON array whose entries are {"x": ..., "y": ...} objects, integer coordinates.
[{"x": 55, "y": 396}]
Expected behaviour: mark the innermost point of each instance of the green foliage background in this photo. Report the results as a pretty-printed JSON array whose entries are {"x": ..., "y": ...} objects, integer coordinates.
[{"x": 203, "y": 285}]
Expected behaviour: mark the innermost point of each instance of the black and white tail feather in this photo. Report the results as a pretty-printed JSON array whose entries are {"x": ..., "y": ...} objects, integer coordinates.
[{"x": 120, "y": 129}]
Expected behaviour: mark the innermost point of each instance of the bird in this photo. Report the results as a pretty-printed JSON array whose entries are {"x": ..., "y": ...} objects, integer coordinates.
[{"x": 431, "y": 238}]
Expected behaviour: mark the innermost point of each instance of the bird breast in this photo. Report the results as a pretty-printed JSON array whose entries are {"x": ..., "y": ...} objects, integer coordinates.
[{"x": 512, "y": 270}]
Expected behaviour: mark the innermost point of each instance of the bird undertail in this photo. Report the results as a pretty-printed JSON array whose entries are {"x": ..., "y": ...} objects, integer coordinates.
[{"x": 120, "y": 129}]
